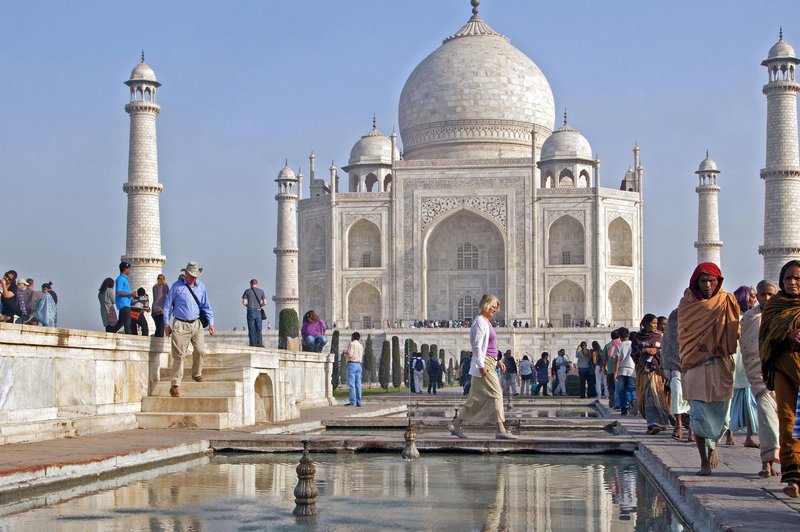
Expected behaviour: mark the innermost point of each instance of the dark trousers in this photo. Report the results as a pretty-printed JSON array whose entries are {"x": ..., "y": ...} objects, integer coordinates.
[
  {"x": 433, "y": 382},
  {"x": 612, "y": 395},
  {"x": 124, "y": 320},
  {"x": 140, "y": 324},
  {"x": 159, "y": 319},
  {"x": 254, "y": 324},
  {"x": 583, "y": 380},
  {"x": 592, "y": 391},
  {"x": 541, "y": 386}
]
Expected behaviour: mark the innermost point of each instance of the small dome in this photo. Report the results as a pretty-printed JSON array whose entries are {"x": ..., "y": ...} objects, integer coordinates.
[
  {"x": 373, "y": 148},
  {"x": 708, "y": 165},
  {"x": 780, "y": 49},
  {"x": 566, "y": 143},
  {"x": 286, "y": 173},
  {"x": 143, "y": 72}
]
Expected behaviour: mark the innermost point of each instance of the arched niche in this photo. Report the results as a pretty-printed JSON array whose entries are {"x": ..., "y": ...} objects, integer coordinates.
[
  {"x": 364, "y": 307},
  {"x": 467, "y": 307},
  {"x": 566, "y": 178},
  {"x": 387, "y": 183},
  {"x": 584, "y": 181},
  {"x": 621, "y": 299},
  {"x": 566, "y": 304},
  {"x": 370, "y": 182},
  {"x": 566, "y": 242},
  {"x": 620, "y": 243},
  {"x": 364, "y": 245},
  {"x": 315, "y": 300},
  {"x": 265, "y": 399},
  {"x": 315, "y": 248},
  {"x": 447, "y": 280}
]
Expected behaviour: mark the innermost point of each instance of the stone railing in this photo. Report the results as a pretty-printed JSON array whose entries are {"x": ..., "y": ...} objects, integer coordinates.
[{"x": 57, "y": 383}]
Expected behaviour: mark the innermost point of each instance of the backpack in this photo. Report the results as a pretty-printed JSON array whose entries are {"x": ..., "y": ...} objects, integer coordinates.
[{"x": 419, "y": 365}]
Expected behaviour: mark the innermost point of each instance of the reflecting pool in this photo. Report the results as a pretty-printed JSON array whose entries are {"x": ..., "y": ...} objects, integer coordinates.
[{"x": 362, "y": 492}]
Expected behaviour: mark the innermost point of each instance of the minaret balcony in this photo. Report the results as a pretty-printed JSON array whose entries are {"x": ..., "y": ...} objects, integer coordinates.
[
  {"x": 781, "y": 171},
  {"x": 782, "y": 85},
  {"x": 142, "y": 106},
  {"x": 786, "y": 249},
  {"x": 156, "y": 188}
]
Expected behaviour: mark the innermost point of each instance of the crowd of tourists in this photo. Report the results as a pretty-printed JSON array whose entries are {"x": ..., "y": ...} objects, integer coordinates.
[
  {"x": 22, "y": 303},
  {"x": 719, "y": 364}
]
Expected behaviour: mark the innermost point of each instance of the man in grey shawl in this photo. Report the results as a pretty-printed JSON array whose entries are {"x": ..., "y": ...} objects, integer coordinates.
[
  {"x": 767, "y": 408},
  {"x": 671, "y": 365}
]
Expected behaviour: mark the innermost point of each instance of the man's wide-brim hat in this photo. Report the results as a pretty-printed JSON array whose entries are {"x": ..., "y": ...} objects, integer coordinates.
[{"x": 193, "y": 269}]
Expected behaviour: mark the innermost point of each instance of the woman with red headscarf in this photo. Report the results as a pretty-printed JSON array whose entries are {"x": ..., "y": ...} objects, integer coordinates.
[
  {"x": 779, "y": 348},
  {"x": 708, "y": 333}
]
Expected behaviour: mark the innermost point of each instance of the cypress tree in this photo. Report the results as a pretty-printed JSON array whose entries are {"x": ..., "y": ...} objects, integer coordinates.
[
  {"x": 288, "y": 326},
  {"x": 426, "y": 351},
  {"x": 397, "y": 368},
  {"x": 369, "y": 361},
  {"x": 385, "y": 365},
  {"x": 450, "y": 374},
  {"x": 336, "y": 366},
  {"x": 406, "y": 361}
]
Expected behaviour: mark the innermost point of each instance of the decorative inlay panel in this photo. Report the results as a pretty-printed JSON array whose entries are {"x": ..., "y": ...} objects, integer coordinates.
[
  {"x": 433, "y": 208},
  {"x": 553, "y": 280}
]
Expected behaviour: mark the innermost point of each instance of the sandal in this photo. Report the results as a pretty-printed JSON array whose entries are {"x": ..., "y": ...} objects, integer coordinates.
[{"x": 677, "y": 434}]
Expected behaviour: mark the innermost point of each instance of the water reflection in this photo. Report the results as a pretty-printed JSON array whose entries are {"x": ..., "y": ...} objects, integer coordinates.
[{"x": 367, "y": 491}]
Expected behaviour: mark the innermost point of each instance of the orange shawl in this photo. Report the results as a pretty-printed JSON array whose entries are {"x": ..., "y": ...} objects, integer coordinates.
[{"x": 707, "y": 328}]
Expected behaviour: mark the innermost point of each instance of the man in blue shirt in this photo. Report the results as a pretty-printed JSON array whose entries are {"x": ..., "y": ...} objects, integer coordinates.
[
  {"x": 123, "y": 297},
  {"x": 187, "y": 328}
]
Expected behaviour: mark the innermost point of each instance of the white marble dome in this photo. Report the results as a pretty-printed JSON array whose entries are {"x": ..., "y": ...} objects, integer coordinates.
[
  {"x": 476, "y": 96},
  {"x": 707, "y": 165},
  {"x": 286, "y": 173},
  {"x": 373, "y": 148},
  {"x": 143, "y": 72},
  {"x": 566, "y": 143},
  {"x": 781, "y": 49}
]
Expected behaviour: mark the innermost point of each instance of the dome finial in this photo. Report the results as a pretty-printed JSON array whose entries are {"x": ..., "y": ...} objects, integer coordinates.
[
  {"x": 706, "y": 153},
  {"x": 565, "y": 116},
  {"x": 374, "y": 123},
  {"x": 142, "y": 56},
  {"x": 475, "y": 4},
  {"x": 780, "y": 34},
  {"x": 286, "y": 162}
]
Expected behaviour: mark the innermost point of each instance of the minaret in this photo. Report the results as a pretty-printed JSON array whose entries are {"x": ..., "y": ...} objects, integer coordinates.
[
  {"x": 287, "y": 294},
  {"x": 782, "y": 172},
  {"x": 143, "y": 241},
  {"x": 709, "y": 246}
]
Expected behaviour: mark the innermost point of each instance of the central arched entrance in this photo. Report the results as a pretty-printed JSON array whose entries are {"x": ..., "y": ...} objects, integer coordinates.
[{"x": 465, "y": 258}]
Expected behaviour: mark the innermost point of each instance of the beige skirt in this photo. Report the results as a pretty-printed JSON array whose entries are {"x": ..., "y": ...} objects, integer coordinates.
[{"x": 485, "y": 402}]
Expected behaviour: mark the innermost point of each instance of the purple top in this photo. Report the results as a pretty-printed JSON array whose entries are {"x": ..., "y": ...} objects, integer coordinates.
[
  {"x": 317, "y": 328},
  {"x": 491, "y": 350}
]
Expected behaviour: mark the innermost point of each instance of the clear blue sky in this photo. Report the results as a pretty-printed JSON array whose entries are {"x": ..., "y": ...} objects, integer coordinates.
[{"x": 247, "y": 84}]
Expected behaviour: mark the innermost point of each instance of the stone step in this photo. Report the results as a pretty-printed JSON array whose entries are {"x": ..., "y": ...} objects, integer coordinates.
[
  {"x": 189, "y": 388},
  {"x": 173, "y": 420},
  {"x": 209, "y": 373},
  {"x": 188, "y": 405}
]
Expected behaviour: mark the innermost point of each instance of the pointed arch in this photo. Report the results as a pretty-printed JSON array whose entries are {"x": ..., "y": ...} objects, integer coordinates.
[
  {"x": 566, "y": 242},
  {"x": 315, "y": 238},
  {"x": 620, "y": 243},
  {"x": 315, "y": 300},
  {"x": 370, "y": 181},
  {"x": 464, "y": 255},
  {"x": 566, "y": 304},
  {"x": 364, "y": 245},
  {"x": 620, "y": 298},
  {"x": 566, "y": 178},
  {"x": 584, "y": 181},
  {"x": 387, "y": 183},
  {"x": 364, "y": 306}
]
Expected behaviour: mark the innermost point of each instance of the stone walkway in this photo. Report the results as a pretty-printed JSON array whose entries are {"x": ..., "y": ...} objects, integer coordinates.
[{"x": 732, "y": 498}]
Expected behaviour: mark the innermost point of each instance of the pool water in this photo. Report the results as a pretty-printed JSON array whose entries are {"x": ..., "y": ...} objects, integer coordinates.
[{"x": 363, "y": 492}]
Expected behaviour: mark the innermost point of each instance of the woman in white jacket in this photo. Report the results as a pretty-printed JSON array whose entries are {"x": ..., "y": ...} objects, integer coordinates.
[{"x": 485, "y": 401}]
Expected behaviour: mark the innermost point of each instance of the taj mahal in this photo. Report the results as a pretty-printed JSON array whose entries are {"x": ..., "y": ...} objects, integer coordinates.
[{"x": 488, "y": 194}]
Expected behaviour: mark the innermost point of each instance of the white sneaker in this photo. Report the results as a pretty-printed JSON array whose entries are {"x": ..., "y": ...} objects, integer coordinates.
[
  {"x": 505, "y": 436},
  {"x": 456, "y": 431}
]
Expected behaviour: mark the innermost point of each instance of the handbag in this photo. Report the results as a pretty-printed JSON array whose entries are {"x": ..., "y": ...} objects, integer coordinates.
[
  {"x": 203, "y": 315},
  {"x": 263, "y": 314}
]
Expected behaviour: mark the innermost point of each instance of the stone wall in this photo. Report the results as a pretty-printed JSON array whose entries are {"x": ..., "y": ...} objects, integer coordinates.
[{"x": 57, "y": 383}]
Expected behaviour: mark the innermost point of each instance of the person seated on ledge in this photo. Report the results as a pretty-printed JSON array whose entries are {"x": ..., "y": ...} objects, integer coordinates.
[{"x": 313, "y": 331}]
